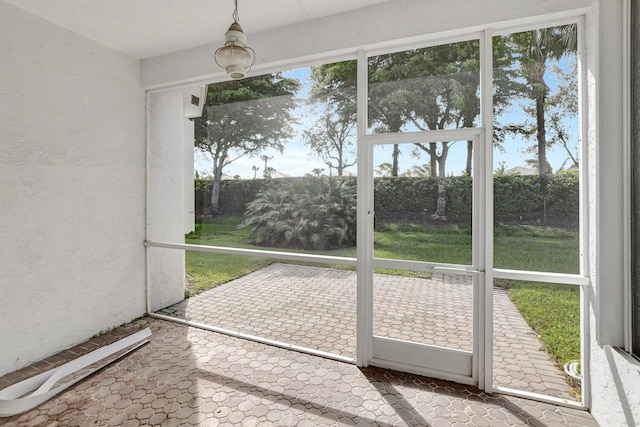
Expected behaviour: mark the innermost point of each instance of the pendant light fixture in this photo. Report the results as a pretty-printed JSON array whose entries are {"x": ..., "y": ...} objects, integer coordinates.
[{"x": 235, "y": 56}]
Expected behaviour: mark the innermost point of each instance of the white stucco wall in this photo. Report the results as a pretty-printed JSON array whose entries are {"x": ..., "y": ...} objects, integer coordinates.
[
  {"x": 72, "y": 189},
  {"x": 615, "y": 377},
  {"x": 166, "y": 195}
]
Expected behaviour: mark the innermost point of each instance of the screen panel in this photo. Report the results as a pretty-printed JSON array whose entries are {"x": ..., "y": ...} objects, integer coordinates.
[{"x": 425, "y": 89}]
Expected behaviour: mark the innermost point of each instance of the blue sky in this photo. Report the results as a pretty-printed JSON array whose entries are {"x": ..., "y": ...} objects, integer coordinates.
[{"x": 297, "y": 161}]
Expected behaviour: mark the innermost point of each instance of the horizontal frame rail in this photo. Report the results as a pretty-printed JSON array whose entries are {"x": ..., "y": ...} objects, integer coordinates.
[
  {"x": 534, "y": 276},
  {"x": 424, "y": 266},
  {"x": 255, "y": 338},
  {"x": 289, "y": 256},
  {"x": 558, "y": 401},
  {"x": 459, "y": 134}
]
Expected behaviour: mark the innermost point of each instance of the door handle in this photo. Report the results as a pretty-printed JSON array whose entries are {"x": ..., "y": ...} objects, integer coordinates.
[{"x": 458, "y": 271}]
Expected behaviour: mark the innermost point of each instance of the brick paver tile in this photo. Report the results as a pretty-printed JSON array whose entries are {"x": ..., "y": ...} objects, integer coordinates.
[{"x": 189, "y": 376}]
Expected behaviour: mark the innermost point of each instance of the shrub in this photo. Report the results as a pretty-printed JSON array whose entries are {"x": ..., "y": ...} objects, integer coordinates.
[
  {"x": 236, "y": 193},
  {"x": 308, "y": 213},
  {"x": 420, "y": 194}
]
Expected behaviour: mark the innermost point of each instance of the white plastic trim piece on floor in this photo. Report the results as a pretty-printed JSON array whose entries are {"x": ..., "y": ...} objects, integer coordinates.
[{"x": 28, "y": 394}]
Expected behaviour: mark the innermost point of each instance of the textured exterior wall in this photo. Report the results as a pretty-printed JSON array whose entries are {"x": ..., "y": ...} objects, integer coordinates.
[
  {"x": 166, "y": 210},
  {"x": 616, "y": 387},
  {"x": 615, "y": 376},
  {"x": 635, "y": 168},
  {"x": 72, "y": 189}
]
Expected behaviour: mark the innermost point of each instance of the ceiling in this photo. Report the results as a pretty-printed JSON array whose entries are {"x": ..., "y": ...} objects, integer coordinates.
[{"x": 147, "y": 28}]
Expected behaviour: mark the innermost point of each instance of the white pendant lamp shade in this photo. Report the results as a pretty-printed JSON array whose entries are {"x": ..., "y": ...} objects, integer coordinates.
[{"x": 235, "y": 56}]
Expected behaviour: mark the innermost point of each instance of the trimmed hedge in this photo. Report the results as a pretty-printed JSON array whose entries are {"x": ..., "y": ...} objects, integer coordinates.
[
  {"x": 234, "y": 194},
  {"x": 513, "y": 194}
]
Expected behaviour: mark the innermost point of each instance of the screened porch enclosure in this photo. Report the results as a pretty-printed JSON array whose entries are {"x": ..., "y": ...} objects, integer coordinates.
[{"x": 385, "y": 210}]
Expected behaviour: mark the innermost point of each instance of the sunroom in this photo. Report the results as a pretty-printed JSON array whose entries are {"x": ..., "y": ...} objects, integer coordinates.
[{"x": 478, "y": 158}]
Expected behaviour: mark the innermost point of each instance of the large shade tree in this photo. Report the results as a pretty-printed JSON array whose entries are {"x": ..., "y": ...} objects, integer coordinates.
[
  {"x": 332, "y": 138},
  {"x": 427, "y": 89},
  {"x": 333, "y": 95},
  {"x": 385, "y": 113},
  {"x": 244, "y": 118},
  {"x": 438, "y": 88}
]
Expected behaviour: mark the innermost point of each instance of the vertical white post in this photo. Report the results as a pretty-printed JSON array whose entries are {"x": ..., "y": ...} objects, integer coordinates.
[
  {"x": 165, "y": 198},
  {"x": 583, "y": 109},
  {"x": 193, "y": 101},
  {"x": 364, "y": 339},
  {"x": 485, "y": 381},
  {"x": 188, "y": 177},
  {"x": 627, "y": 166},
  {"x": 147, "y": 201}
]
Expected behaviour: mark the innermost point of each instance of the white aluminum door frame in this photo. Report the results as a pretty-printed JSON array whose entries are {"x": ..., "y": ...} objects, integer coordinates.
[
  {"x": 457, "y": 365},
  {"x": 468, "y": 367}
]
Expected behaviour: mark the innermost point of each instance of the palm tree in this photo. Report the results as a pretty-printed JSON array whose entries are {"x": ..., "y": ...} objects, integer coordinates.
[
  {"x": 266, "y": 159},
  {"x": 535, "y": 164},
  {"x": 501, "y": 169},
  {"x": 384, "y": 169},
  {"x": 535, "y": 50},
  {"x": 419, "y": 171}
]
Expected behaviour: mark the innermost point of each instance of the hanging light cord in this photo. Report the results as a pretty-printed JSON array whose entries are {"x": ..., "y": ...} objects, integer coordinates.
[{"x": 236, "y": 18}]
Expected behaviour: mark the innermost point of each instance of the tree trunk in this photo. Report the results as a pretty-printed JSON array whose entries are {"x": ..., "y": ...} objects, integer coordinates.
[
  {"x": 442, "y": 197},
  {"x": 442, "y": 184},
  {"x": 469, "y": 157},
  {"x": 541, "y": 136},
  {"x": 542, "y": 152},
  {"x": 433, "y": 159},
  {"x": 394, "y": 166},
  {"x": 215, "y": 190}
]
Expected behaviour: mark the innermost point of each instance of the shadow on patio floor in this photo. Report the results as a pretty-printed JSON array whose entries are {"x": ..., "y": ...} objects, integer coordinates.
[
  {"x": 188, "y": 376},
  {"x": 315, "y": 307}
]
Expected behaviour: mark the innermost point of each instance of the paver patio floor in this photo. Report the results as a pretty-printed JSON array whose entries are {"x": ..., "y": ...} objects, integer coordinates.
[
  {"x": 192, "y": 377},
  {"x": 316, "y": 308}
]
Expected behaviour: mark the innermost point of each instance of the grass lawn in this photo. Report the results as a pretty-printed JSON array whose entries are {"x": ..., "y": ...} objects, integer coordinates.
[
  {"x": 551, "y": 310},
  {"x": 450, "y": 244},
  {"x": 536, "y": 248},
  {"x": 207, "y": 270}
]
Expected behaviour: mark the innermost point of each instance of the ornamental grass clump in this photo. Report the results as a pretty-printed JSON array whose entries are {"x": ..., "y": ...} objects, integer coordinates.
[{"x": 316, "y": 213}]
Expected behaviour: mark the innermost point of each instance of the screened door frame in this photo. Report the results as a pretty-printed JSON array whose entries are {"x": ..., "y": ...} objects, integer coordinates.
[
  {"x": 483, "y": 268},
  {"x": 472, "y": 371}
]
